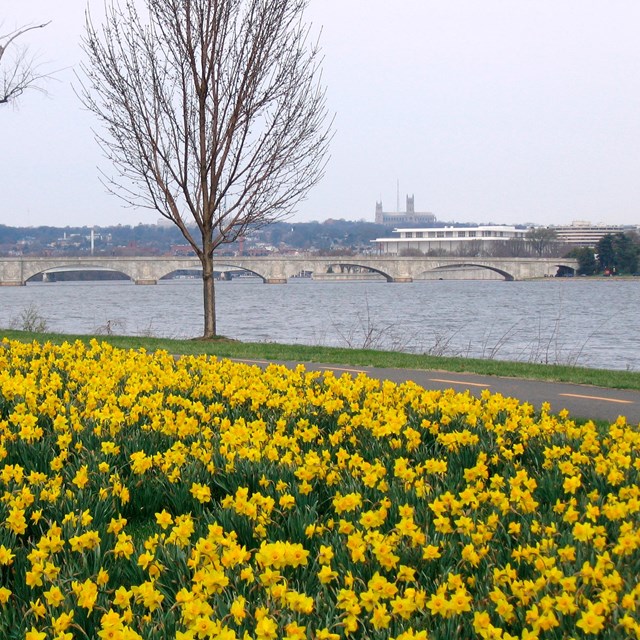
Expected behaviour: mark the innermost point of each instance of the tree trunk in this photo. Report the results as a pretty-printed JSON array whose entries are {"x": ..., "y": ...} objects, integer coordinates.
[{"x": 208, "y": 283}]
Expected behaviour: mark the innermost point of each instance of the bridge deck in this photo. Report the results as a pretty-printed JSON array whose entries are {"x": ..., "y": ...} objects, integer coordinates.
[{"x": 279, "y": 268}]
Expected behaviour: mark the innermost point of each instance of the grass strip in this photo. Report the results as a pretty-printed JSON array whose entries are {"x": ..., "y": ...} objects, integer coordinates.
[{"x": 225, "y": 348}]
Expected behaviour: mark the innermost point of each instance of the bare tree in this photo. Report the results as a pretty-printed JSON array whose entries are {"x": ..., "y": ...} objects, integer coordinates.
[
  {"x": 19, "y": 71},
  {"x": 516, "y": 248},
  {"x": 214, "y": 114},
  {"x": 541, "y": 240},
  {"x": 469, "y": 249}
]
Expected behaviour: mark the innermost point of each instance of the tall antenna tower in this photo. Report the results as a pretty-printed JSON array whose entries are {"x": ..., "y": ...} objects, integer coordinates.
[{"x": 398, "y": 195}]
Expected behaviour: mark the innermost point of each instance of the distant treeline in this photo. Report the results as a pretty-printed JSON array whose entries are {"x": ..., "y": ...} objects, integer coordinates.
[{"x": 308, "y": 236}]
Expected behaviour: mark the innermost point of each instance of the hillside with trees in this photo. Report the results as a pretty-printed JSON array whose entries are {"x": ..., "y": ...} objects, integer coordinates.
[{"x": 342, "y": 236}]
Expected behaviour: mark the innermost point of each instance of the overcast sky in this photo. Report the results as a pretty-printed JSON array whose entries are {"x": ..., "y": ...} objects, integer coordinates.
[{"x": 504, "y": 111}]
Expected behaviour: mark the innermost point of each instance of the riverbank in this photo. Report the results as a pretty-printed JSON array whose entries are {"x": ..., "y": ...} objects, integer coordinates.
[{"x": 224, "y": 348}]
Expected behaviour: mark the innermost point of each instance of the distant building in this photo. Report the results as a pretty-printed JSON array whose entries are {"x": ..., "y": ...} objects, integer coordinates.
[
  {"x": 182, "y": 250},
  {"x": 455, "y": 240},
  {"x": 584, "y": 234},
  {"x": 410, "y": 216}
]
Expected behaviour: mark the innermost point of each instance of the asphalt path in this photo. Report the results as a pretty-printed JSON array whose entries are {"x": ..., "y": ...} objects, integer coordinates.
[{"x": 581, "y": 401}]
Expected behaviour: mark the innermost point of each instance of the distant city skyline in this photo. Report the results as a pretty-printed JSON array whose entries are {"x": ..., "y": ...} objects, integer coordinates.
[{"x": 493, "y": 112}]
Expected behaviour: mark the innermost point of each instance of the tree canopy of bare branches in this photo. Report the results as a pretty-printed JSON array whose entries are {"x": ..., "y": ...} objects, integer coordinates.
[
  {"x": 213, "y": 114},
  {"x": 18, "y": 70},
  {"x": 541, "y": 239}
]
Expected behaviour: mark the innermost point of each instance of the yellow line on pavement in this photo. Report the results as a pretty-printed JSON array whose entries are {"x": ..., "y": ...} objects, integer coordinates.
[
  {"x": 464, "y": 382},
  {"x": 252, "y": 361},
  {"x": 341, "y": 369},
  {"x": 576, "y": 395}
]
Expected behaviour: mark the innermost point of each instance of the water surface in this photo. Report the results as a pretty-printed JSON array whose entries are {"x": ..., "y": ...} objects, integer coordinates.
[{"x": 592, "y": 323}]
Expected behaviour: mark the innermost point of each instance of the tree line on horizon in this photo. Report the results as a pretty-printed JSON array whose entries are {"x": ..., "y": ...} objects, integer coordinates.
[
  {"x": 614, "y": 254},
  {"x": 307, "y": 236},
  {"x": 329, "y": 235}
]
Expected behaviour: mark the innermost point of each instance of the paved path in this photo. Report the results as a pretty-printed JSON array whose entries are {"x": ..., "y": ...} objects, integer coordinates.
[{"x": 582, "y": 401}]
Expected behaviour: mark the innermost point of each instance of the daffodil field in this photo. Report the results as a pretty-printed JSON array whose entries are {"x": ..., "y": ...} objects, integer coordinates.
[{"x": 149, "y": 497}]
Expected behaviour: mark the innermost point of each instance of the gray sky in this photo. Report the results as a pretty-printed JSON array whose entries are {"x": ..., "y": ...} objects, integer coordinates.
[{"x": 505, "y": 111}]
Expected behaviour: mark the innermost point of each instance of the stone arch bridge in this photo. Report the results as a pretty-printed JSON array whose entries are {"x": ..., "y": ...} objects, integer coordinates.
[{"x": 277, "y": 269}]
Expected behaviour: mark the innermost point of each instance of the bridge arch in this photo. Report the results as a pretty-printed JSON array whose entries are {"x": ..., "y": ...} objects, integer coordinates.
[
  {"x": 163, "y": 271},
  {"x": 565, "y": 270},
  {"x": 31, "y": 271},
  {"x": 475, "y": 265},
  {"x": 360, "y": 265},
  {"x": 242, "y": 267},
  {"x": 176, "y": 273}
]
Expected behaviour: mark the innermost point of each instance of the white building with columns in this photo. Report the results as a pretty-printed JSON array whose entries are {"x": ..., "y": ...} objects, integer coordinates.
[{"x": 454, "y": 240}]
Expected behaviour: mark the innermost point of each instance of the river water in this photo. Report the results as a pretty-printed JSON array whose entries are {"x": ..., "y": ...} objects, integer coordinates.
[{"x": 593, "y": 323}]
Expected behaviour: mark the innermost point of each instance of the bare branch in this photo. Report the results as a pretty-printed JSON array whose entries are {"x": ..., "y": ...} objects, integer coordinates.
[{"x": 20, "y": 72}]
